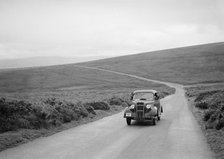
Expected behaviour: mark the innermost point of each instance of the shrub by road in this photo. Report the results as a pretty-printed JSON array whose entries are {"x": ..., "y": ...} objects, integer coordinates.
[
  {"x": 15, "y": 114},
  {"x": 209, "y": 111},
  {"x": 23, "y": 121},
  {"x": 212, "y": 103}
]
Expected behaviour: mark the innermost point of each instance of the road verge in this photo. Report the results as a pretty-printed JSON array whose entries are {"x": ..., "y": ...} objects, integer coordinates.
[{"x": 206, "y": 104}]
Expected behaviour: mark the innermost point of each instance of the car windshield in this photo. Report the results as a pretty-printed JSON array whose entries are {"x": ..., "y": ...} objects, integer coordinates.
[{"x": 143, "y": 96}]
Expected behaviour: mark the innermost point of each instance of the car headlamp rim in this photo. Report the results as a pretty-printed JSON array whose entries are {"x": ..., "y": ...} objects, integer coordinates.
[
  {"x": 132, "y": 106},
  {"x": 148, "y": 106}
]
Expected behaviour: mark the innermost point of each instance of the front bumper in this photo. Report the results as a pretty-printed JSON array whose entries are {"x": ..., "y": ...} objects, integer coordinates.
[{"x": 145, "y": 116}]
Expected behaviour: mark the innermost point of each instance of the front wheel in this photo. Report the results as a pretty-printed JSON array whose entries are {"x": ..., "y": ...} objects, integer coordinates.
[
  {"x": 154, "y": 121},
  {"x": 128, "y": 120}
]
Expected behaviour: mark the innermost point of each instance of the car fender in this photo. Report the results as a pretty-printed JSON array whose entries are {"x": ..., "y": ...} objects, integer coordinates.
[{"x": 126, "y": 110}]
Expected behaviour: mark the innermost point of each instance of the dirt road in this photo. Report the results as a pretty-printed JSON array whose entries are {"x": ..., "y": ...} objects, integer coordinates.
[{"x": 176, "y": 136}]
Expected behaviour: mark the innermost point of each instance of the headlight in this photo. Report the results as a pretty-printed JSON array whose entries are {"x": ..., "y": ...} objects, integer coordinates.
[
  {"x": 148, "y": 106},
  {"x": 132, "y": 106}
]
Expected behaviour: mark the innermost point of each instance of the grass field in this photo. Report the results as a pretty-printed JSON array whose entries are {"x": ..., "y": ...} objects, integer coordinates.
[
  {"x": 188, "y": 65},
  {"x": 69, "y": 83}
]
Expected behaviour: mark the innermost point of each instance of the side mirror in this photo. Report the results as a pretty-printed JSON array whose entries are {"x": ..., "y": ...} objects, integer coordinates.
[
  {"x": 156, "y": 96},
  {"x": 132, "y": 94}
]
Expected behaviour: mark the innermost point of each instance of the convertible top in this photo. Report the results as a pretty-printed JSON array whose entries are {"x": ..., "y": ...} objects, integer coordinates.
[{"x": 145, "y": 91}]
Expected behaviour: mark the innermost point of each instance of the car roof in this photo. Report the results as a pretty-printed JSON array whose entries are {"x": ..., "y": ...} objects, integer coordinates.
[{"x": 145, "y": 91}]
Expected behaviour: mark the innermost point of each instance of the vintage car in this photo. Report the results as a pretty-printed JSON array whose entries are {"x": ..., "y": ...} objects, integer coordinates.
[{"x": 145, "y": 106}]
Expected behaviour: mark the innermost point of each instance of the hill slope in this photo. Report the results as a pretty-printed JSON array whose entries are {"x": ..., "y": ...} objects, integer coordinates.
[
  {"x": 43, "y": 61},
  {"x": 68, "y": 83},
  {"x": 195, "y": 64},
  {"x": 187, "y": 65}
]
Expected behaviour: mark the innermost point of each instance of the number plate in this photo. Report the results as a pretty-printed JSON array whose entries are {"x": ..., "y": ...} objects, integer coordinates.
[{"x": 128, "y": 114}]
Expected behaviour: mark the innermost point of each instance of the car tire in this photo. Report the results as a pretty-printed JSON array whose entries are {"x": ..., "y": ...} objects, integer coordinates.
[
  {"x": 128, "y": 120},
  {"x": 153, "y": 121}
]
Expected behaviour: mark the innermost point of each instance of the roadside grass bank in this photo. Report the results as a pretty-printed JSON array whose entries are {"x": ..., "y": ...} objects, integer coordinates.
[
  {"x": 207, "y": 105},
  {"x": 22, "y": 121},
  {"x": 25, "y": 120}
]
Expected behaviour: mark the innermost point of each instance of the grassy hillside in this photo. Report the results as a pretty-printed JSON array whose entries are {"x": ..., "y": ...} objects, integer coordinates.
[
  {"x": 29, "y": 89},
  {"x": 62, "y": 77},
  {"x": 195, "y": 64},
  {"x": 40, "y": 101},
  {"x": 187, "y": 65},
  {"x": 67, "y": 82}
]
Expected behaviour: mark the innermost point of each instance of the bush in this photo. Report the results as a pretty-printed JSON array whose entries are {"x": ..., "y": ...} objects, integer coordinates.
[
  {"x": 213, "y": 117},
  {"x": 220, "y": 124},
  {"x": 20, "y": 114},
  {"x": 125, "y": 104},
  {"x": 214, "y": 102},
  {"x": 222, "y": 108},
  {"x": 202, "y": 105},
  {"x": 89, "y": 108},
  {"x": 13, "y": 114},
  {"x": 115, "y": 101},
  {"x": 204, "y": 95},
  {"x": 208, "y": 114},
  {"x": 99, "y": 105},
  {"x": 51, "y": 112},
  {"x": 50, "y": 101}
]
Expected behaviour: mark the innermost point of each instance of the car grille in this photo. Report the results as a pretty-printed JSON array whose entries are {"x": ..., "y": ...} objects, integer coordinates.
[
  {"x": 140, "y": 106},
  {"x": 140, "y": 103},
  {"x": 139, "y": 114},
  {"x": 140, "y": 110}
]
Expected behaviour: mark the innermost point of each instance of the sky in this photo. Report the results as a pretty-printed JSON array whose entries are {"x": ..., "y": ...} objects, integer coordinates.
[{"x": 83, "y": 28}]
